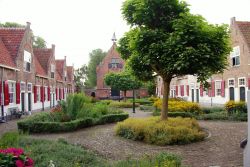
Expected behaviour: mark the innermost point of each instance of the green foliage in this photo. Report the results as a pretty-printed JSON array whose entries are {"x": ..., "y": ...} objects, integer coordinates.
[
  {"x": 122, "y": 81},
  {"x": 96, "y": 56},
  {"x": 151, "y": 86},
  {"x": 122, "y": 104},
  {"x": 147, "y": 108},
  {"x": 80, "y": 76},
  {"x": 142, "y": 101},
  {"x": 176, "y": 114},
  {"x": 9, "y": 139},
  {"x": 233, "y": 107},
  {"x": 223, "y": 116},
  {"x": 11, "y": 24},
  {"x": 168, "y": 40},
  {"x": 160, "y": 160},
  {"x": 208, "y": 110},
  {"x": 39, "y": 42},
  {"x": 153, "y": 130}
]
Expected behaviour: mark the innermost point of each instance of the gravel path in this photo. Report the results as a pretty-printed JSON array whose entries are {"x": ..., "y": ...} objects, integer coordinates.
[{"x": 221, "y": 149}]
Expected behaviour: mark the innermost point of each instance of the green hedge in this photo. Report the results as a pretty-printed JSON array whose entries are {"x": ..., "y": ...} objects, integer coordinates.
[
  {"x": 175, "y": 114},
  {"x": 36, "y": 125}
]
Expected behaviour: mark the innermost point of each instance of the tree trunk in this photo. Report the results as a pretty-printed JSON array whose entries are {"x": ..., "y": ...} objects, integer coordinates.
[
  {"x": 164, "y": 111},
  {"x": 125, "y": 95}
]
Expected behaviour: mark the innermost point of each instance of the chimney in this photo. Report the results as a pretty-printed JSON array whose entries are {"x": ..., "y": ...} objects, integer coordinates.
[
  {"x": 233, "y": 20},
  {"x": 53, "y": 49},
  {"x": 28, "y": 24}
]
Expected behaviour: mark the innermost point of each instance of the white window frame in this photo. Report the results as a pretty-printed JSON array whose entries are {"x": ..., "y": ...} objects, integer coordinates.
[
  {"x": 21, "y": 88},
  {"x": 38, "y": 93},
  {"x": 13, "y": 101},
  {"x": 29, "y": 84},
  {"x": 234, "y": 54},
  {"x": 217, "y": 93},
  {"x": 228, "y": 82},
  {"x": 26, "y": 60},
  {"x": 52, "y": 70},
  {"x": 239, "y": 85}
]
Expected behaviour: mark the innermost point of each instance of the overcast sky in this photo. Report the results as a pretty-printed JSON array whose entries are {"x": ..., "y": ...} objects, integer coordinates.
[{"x": 77, "y": 27}]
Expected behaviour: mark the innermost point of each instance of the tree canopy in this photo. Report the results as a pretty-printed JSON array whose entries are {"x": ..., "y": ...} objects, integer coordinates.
[
  {"x": 80, "y": 77},
  {"x": 39, "y": 42},
  {"x": 122, "y": 81},
  {"x": 96, "y": 56},
  {"x": 168, "y": 40},
  {"x": 11, "y": 24}
]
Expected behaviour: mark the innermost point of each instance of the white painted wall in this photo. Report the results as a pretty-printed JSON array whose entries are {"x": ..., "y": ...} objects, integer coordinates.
[{"x": 247, "y": 148}]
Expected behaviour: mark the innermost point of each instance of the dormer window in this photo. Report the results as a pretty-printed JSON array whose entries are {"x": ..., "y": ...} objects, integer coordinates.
[
  {"x": 27, "y": 61},
  {"x": 52, "y": 71},
  {"x": 235, "y": 56}
]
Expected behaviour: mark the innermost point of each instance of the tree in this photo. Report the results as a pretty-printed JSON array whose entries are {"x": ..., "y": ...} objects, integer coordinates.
[
  {"x": 39, "y": 42},
  {"x": 167, "y": 40},
  {"x": 11, "y": 24},
  {"x": 80, "y": 77},
  {"x": 96, "y": 56},
  {"x": 122, "y": 81}
]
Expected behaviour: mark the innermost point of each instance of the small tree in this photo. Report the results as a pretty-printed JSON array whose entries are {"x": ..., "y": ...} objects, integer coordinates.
[
  {"x": 167, "y": 40},
  {"x": 122, "y": 81}
]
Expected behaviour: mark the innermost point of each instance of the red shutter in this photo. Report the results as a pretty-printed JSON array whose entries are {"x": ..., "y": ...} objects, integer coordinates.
[
  {"x": 223, "y": 88},
  {"x": 35, "y": 94},
  {"x": 56, "y": 94},
  {"x": 17, "y": 93},
  {"x": 187, "y": 90},
  {"x": 41, "y": 94},
  {"x": 213, "y": 89},
  {"x": 60, "y": 93},
  {"x": 182, "y": 90},
  {"x": 48, "y": 93},
  {"x": 248, "y": 83},
  {"x": 201, "y": 90},
  {"x": 176, "y": 90},
  {"x": 6, "y": 93},
  {"x": 63, "y": 92}
]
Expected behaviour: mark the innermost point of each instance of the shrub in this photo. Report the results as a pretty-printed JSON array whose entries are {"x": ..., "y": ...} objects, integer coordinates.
[
  {"x": 175, "y": 114},
  {"x": 9, "y": 139},
  {"x": 40, "y": 126},
  {"x": 236, "y": 107},
  {"x": 153, "y": 130},
  {"x": 147, "y": 108},
  {"x": 141, "y": 101},
  {"x": 213, "y": 116},
  {"x": 179, "y": 106},
  {"x": 123, "y": 104},
  {"x": 160, "y": 160},
  {"x": 208, "y": 110},
  {"x": 15, "y": 157}
]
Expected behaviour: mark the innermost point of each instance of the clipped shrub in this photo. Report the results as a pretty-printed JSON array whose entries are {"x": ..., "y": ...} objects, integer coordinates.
[
  {"x": 155, "y": 131},
  {"x": 160, "y": 160},
  {"x": 175, "y": 114},
  {"x": 142, "y": 101},
  {"x": 236, "y": 107},
  {"x": 213, "y": 116},
  {"x": 180, "y": 106},
  {"x": 208, "y": 110},
  {"x": 147, "y": 108},
  {"x": 123, "y": 104}
]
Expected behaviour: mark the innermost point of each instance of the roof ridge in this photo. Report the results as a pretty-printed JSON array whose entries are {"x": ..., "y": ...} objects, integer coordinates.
[{"x": 12, "y": 28}]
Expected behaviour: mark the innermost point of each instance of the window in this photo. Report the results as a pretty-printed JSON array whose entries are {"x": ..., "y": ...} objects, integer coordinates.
[
  {"x": 27, "y": 61},
  {"x": 12, "y": 92},
  {"x": 29, "y": 87},
  {"x": 230, "y": 82},
  {"x": 52, "y": 71},
  {"x": 65, "y": 75},
  {"x": 115, "y": 63},
  {"x": 218, "y": 88},
  {"x": 235, "y": 56},
  {"x": 38, "y": 93},
  {"x": 115, "y": 60},
  {"x": 45, "y": 93},
  {"x": 22, "y": 87},
  {"x": 242, "y": 82}
]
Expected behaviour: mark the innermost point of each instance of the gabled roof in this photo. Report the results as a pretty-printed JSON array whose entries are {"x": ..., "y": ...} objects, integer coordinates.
[
  {"x": 39, "y": 69},
  {"x": 12, "y": 38},
  {"x": 244, "y": 27},
  {"x": 58, "y": 76},
  {"x": 43, "y": 55},
  {"x": 59, "y": 68},
  {"x": 70, "y": 73},
  {"x": 5, "y": 57}
]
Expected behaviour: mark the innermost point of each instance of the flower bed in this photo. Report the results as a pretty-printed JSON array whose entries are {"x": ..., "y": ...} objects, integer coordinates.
[{"x": 154, "y": 131}]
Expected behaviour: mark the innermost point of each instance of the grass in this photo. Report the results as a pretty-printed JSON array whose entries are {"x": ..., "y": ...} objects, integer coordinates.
[{"x": 64, "y": 154}]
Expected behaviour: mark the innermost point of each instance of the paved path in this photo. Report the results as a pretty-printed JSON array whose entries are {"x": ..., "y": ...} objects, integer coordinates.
[{"x": 221, "y": 149}]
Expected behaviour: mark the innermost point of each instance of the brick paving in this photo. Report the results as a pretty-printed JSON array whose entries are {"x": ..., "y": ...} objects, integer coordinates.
[{"x": 221, "y": 149}]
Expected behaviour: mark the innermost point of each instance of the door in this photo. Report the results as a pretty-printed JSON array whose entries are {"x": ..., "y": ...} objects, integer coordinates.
[
  {"x": 231, "y": 93},
  {"x": 115, "y": 92},
  {"x": 23, "y": 102},
  {"x": 242, "y": 94},
  {"x": 197, "y": 95},
  {"x": 29, "y": 101},
  {"x": 192, "y": 95}
]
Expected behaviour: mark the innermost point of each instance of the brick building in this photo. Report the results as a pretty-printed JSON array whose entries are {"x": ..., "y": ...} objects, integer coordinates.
[
  {"x": 232, "y": 84},
  {"x": 28, "y": 75},
  {"x": 112, "y": 62}
]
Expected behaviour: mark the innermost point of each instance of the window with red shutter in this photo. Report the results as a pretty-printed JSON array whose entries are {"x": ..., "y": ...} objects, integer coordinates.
[
  {"x": 187, "y": 90},
  {"x": 223, "y": 88},
  {"x": 35, "y": 94},
  {"x": 248, "y": 83},
  {"x": 18, "y": 93},
  {"x": 56, "y": 94},
  {"x": 42, "y": 94},
  {"x": 213, "y": 89},
  {"x": 48, "y": 93},
  {"x": 6, "y": 93},
  {"x": 182, "y": 90}
]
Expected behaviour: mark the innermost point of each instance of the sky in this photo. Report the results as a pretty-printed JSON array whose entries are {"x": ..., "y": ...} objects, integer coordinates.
[{"x": 77, "y": 27}]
